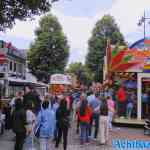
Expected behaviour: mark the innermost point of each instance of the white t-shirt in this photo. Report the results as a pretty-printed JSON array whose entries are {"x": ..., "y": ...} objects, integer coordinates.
[{"x": 30, "y": 118}]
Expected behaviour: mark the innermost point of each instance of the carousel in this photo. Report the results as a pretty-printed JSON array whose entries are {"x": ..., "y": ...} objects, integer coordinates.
[{"x": 130, "y": 68}]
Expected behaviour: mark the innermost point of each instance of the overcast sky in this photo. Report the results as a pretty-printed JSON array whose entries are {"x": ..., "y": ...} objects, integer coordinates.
[{"x": 78, "y": 17}]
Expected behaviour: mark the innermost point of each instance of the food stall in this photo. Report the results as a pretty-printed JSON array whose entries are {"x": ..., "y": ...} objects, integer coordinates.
[{"x": 59, "y": 83}]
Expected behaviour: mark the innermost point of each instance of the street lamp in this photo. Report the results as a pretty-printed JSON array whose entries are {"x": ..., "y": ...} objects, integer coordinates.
[{"x": 143, "y": 21}]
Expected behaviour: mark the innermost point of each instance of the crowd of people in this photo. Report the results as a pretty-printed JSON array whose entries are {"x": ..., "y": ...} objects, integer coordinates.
[{"x": 49, "y": 119}]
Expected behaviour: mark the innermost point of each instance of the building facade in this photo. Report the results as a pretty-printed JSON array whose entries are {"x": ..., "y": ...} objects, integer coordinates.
[{"x": 12, "y": 69}]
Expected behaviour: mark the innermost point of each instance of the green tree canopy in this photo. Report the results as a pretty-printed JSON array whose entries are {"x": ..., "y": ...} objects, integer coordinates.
[
  {"x": 50, "y": 51},
  {"x": 10, "y": 10},
  {"x": 105, "y": 29},
  {"x": 83, "y": 74}
]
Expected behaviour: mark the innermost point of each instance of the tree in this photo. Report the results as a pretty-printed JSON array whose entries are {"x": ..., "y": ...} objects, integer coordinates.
[
  {"x": 105, "y": 29},
  {"x": 49, "y": 52},
  {"x": 83, "y": 74},
  {"x": 11, "y": 10}
]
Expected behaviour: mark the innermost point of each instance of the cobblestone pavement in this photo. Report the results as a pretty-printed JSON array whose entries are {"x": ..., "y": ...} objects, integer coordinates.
[{"x": 6, "y": 140}]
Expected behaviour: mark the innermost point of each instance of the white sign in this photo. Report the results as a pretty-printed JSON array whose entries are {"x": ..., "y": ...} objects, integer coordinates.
[{"x": 60, "y": 79}]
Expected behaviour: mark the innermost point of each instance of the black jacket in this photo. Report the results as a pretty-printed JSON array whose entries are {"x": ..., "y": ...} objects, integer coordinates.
[
  {"x": 19, "y": 121},
  {"x": 32, "y": 98},
  {"x": 62, "y": 118}
]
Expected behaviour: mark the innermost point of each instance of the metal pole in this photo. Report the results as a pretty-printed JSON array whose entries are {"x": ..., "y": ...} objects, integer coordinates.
[{"x": 144, "y": 25}]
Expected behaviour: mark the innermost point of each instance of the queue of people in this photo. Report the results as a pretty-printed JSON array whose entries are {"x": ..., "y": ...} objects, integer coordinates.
[{"x": 49, "y": 120}]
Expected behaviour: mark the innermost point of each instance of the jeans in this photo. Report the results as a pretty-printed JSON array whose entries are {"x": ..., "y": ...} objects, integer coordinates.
[
  {"x": 45, "y": 144},
  {"x": 62, "y": 131},
  {"x": 110, "y": 117},
  {"x": 78, "y": 125},
  {"x": 121, "y": 108},
  {"x": 84, "y": 135},
  {"x": 95, "y": 119},
  {"x": 129, "y": 111}
]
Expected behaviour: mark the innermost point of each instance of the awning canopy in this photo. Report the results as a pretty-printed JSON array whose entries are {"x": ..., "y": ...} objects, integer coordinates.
[{"x": 24, "y": 82}]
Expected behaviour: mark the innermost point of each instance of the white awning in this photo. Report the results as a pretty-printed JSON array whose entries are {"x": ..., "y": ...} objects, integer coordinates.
[{"x": 13, "y": 79}]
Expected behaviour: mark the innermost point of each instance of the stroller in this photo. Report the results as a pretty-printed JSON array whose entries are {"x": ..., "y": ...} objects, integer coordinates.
[{"x": 147, "y": 126}]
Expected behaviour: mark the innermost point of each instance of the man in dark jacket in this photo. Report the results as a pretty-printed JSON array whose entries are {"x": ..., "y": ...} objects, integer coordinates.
[
  {"x": 31, "y": 97},
  {"x": 18, "y": 124}
]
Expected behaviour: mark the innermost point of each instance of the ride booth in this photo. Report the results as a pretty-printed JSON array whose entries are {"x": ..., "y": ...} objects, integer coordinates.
[
  {"x": 129, "y": 68},
  {"x": 59, "y": 83}
]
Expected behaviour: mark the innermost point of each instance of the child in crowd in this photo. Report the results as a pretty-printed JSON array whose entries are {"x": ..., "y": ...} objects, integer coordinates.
[{"x": 111, "y": 110}]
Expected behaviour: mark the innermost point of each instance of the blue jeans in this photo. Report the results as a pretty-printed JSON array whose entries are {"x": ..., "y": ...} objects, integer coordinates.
[
  {"x": 95, "y": 119},
  {"x": 84, "y": 134},
  {"x": 129, "y": 110}
]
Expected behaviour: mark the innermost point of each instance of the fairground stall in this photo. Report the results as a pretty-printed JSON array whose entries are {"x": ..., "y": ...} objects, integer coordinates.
[
  {"x": 59, "y": 83},
  {"x": 129, "y": 68}
]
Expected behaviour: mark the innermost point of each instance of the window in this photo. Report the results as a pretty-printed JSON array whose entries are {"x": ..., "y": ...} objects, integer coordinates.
[
  {"x": 15, "y": 67},
  {"x": 10, "y": 65},
  {"x": 20, "y": 69}
]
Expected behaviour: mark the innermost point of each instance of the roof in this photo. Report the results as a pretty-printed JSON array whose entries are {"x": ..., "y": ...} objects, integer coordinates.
[{"x": 138, "y": 44}]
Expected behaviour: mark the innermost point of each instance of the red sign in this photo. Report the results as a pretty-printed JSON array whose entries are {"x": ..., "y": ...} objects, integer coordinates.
[{"x": 3, "y": 58}]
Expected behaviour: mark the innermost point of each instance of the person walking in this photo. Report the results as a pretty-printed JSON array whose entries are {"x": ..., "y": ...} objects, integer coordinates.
[
  {"x": 30, "y": 119},
  {"x": 19, "y": 124},
  {"x": 31, "y": 96},
  {"x": 82, "y": 97},
  {"x": 129, "y": 108},
  {"x": 7, "y": 112},
  {"x": 46, "y": 125},
  {"x": 84, "y": 115},
  {"x": 111, "y": 110},
  {"x": 95, "y": 106},
  {"x": 62, "y": 123},
  {"x": 104, "y": 132},
  {"x": 121, "y": 101},
  {"x": 19, "y": 95}
]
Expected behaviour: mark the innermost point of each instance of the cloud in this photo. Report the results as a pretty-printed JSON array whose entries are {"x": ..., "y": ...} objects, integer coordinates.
[
  {"x": 78, "y": 28},
  {"x": 78, "y": 31},
  {"x": 127, "y": 14}
]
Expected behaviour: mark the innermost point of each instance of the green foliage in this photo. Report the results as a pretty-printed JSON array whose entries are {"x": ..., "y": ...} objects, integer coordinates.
[
  {"x": 50, "y": 51},
  {"x": 11, "y": 10},
  {"x": 82, "y": 72},
  {"x": 105, "y": 29}
]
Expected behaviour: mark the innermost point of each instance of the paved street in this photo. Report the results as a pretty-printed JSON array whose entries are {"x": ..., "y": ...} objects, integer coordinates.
[{"x": 6, "y": 140}]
